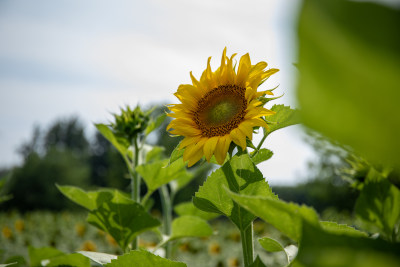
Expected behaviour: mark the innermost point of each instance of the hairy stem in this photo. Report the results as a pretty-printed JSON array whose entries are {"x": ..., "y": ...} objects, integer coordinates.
[
  {"x": 166, "y": 204},
  {"x": 135, "y": 183},
  {"x": 246, "y": 236}
]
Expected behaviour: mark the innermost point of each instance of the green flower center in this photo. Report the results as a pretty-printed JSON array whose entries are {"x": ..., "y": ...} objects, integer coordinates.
[{"x": 221, "y": 110}]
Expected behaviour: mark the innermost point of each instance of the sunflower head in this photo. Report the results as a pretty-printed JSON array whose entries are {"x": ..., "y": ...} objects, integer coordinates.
[{"x": 220, "y": 108}]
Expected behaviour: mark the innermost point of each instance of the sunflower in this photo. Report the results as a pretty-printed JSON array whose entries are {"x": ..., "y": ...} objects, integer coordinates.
[{"x": 221, "y": 108}]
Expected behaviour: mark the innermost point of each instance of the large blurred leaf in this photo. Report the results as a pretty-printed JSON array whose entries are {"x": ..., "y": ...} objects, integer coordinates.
[
  {"x": 48, "y": 256},
  {"x": 36, "y": 255},
  {"x": 187, "y": 208},
  {"x": 122, "y": 218},
  {"x": 349, "y": 64},
  {"x": 335, "y": 228},
  {"x": 240, "y": 175},
  {"x": 379, "y": 204},
  {"x": 286, "y": 217},
  {"x": 143, "y": 259},
  {"x": 319, "y": 248}
]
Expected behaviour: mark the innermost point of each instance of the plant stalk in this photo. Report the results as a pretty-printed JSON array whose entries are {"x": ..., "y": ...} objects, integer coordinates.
[
  {"x": 246, "y": 235},
  {"x": 135, "y": 183},
  {"x": 166, "y": 204}
]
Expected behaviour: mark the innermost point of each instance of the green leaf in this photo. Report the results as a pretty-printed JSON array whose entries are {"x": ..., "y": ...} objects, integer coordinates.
[
  {"x": 47, "y": 256},
  {"x": 122, "y": 218},
  {"x": 72, "y": 260},
  {"x": 284, "y": 216},
  {"x": 176, "y": 154},
  {"x": 100, "y": 258},
  {"x": 36, "y": 255},
  {"x": 257, "y": 263},
  {"x": 335, "y": 228},
  {"x": 89, "y": 200},
  {"x": 143, "y": 259},
  {"x": 154, "y": 124},
  {"x": 270, "y": 245},
  {"x": 121, "y": 146},
  {"x": 349, "y": 65},
  {"x": 319, "y": 248},
  {"x": 78, "y": 196},
  {"x": 379, "y": 204},
  {"x": 157, "y": 173},
  {"x": 154, "y": 154},
  {"x": 262, "y": 155},
  {"x": 8, "y": 264},
  {"x": 285, "y": 116},
  {"x": 187, "y": 208},
  {"x": 240, "y": 175},
  {"x": 190, "y": 226},
  {"x": 181, "y": 181}
]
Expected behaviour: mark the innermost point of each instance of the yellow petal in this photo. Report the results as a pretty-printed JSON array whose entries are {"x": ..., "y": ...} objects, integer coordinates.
[
  {"x": 186, "y": 131},
  {"x": 188, "y": 140},
  {"x": 238, "y": 137},
  {"x": 209, "y": 147},
  {"x": 195, "y": 158},
  {"x": 221, "y": 149},
  {"x": 243, "y": 70},
  {"x": 258, "y": 112},
  {"x": 247, "y": 129},
  {"x": 193, "y": 149}
]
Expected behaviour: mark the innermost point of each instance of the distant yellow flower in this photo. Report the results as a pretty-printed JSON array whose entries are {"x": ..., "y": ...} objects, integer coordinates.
[
  {"x": 220, "y": 108},
  {"x": 80, "y": 229},
  {"x": 89, "y": 246},
  {"x": 19, "y": 225},
  {"x": 7, "y": 232}
]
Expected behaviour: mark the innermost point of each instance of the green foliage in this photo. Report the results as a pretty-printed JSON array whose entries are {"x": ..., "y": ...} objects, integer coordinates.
[
  {"x": 48, "y": 256},
  {"x": 379, "y": 206},
  {"x": 122, "y": 218},
  {"x": 143, "y": 259},
  {"x": 335, "y": 228},
  {"x": 112, "y": 212},
  {"x": 262, "y": 155},
  {"x": 119, "y": 143},
  {"x": 286, "y": 217},
  {"x": 190, "y": 226},
  {"x": 284, "y": 117},
  {"x": 32, "y": 184},
  {"x": 157, "y": 173},
  {"x": 188, "y": 208},
  {"x": 155, "y": 123},
  {"x": 270, "y": 244},
  {"x": 320, "y": 248},
  {"x": 257, "y": 263},
  {"x": 239, "y": 175},
  {"x": 348, "y": 85}
]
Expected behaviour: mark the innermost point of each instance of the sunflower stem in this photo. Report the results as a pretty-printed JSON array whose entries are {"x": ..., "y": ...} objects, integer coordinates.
[
  {"x": 260, "y": 144},
  {"x": 246, "y": 235},
  {"x": 166, "y": 203},
  {"x": 135, "y": 183}
]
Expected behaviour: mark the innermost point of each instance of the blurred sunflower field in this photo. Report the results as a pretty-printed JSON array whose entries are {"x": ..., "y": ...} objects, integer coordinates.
[{"x": 196, "y": 197}]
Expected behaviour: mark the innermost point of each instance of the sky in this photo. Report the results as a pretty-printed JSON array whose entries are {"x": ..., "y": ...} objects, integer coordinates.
[{"x": 88, "y": 58}]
